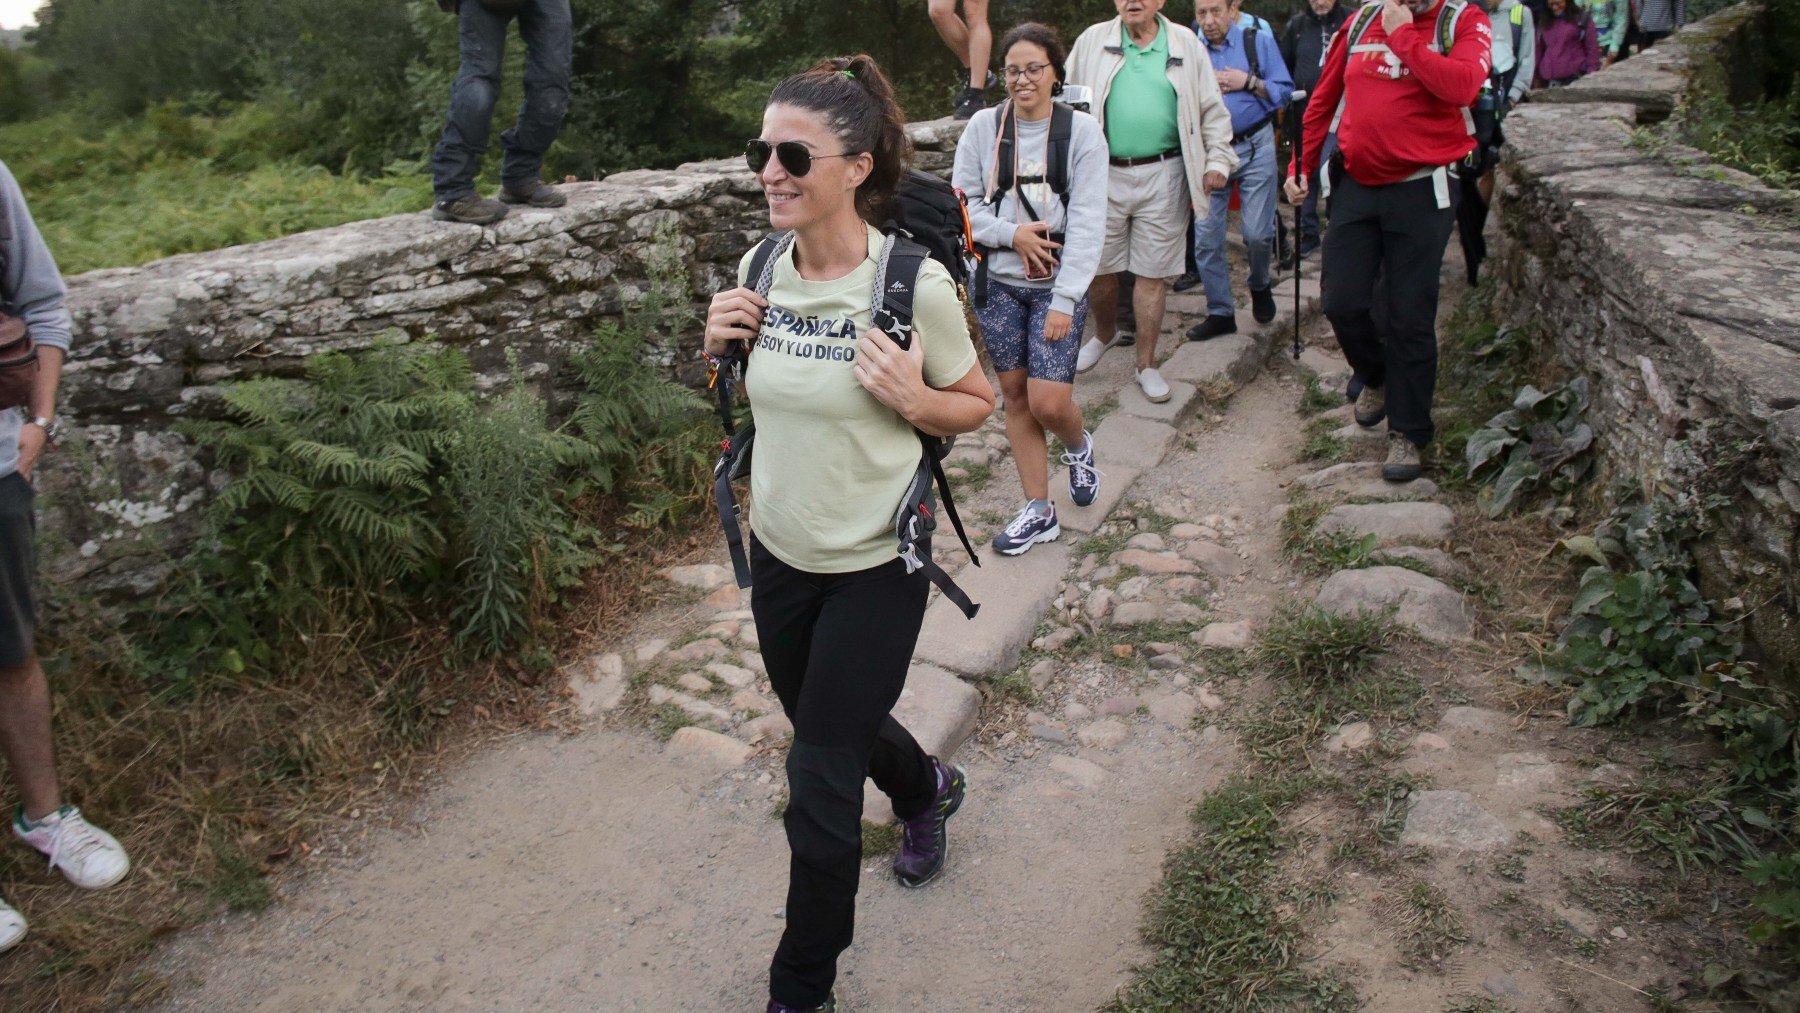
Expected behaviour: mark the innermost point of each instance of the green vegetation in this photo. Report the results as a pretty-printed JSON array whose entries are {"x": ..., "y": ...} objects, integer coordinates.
[
  {"x": 1761, "y": 137},
  {"x": 1641, "y": 641},
  {"x": 1222, "y": 939},
  {"x": 1315, "y": 646},
  {"x": 146, "y": 128},
  {"x": 1540, "y": 444}
]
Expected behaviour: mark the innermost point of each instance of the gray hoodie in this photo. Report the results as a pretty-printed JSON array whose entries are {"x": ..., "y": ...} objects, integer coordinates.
[
  {"x": 32, "y": 289},
  {"x": 994, "y": 224}
]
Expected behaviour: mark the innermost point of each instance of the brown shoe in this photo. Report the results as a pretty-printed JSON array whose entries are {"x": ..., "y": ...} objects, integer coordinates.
[
  {"x": 536, "y": 193},
  {"x": 470, "y": 210},
  {"x": 1403, "y": 463}
]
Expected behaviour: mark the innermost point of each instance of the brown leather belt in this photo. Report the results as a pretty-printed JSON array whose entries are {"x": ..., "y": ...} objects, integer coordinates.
[{"x": 1147, "y": 159}]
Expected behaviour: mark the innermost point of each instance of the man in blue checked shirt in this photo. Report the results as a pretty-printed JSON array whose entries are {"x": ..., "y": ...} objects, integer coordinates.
[{"x": 1256, "y": 83}]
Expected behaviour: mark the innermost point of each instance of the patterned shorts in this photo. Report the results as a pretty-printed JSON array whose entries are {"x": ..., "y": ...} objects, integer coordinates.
[{"x": 1012, "y": 327}]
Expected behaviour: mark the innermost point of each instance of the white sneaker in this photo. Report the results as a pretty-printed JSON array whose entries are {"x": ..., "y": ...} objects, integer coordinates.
[
  {"x": 1151, "y": 383},
  {"x": 88, "y": 856},
  {"x": 12, "y": 927},
  {"x": 1091, "y": 350}
]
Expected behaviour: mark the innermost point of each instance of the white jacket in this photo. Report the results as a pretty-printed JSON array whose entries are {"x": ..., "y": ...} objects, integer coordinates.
[{"x": 1205, "y": 123}]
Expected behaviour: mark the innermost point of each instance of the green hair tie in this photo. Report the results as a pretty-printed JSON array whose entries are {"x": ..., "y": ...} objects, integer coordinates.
[{"x": 848, "y": 74}]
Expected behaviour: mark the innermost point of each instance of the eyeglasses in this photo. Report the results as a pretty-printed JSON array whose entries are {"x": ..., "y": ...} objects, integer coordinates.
[
  {"x": 1030, "y": 72},
  {"x": 795, "y": 157}
]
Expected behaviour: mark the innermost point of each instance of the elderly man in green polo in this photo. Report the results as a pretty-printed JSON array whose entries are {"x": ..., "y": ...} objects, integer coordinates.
[{"x": 1168, "y": 136}]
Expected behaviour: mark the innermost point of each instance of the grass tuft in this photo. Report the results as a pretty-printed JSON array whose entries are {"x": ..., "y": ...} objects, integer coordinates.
[
  {"x": 1429, "y": 926},
  {"x": 1222, "y": 941},
  {"x": 1315, "y": 646}
]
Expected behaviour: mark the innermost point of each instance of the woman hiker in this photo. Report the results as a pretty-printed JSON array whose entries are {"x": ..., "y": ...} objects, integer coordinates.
[
  {"x": 1042, "y": 257},
  {"x": 836, "y": 612},
  {"x": 1568, "y": 45}
]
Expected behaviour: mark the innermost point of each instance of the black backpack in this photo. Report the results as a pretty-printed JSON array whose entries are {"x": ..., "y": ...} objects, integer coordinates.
[
  {"x": 1062, "y": 129},
  {"x": 930, "y": 222}
]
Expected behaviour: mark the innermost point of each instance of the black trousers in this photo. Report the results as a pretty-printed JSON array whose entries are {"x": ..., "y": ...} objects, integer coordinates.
[
  {"x": 1386, "y": 245},
  {"x": 837, "y": 647}
]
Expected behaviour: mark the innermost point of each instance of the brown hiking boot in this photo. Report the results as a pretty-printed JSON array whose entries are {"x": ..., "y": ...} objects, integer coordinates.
[
  {"x": 535, "y": 193},
  {"x": 1371, "y": 407},
  {"x": 1403, "y": 463},
  {"x": 470, "y": 210}
]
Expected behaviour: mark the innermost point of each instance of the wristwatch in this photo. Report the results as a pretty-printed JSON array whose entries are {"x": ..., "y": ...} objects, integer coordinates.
[{"x": 52, "y": 430}]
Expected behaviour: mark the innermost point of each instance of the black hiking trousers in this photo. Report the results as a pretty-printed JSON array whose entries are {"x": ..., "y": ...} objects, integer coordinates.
[
  {"x": 837, "y": 647},
  {"x": 1379, "y": 289}
]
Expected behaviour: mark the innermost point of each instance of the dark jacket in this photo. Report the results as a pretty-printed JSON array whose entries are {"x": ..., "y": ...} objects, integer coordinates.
[{"x": 1305, "y": 39}]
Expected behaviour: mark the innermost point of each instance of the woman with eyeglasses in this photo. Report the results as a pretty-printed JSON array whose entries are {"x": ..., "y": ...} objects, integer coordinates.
[
  {"x": 1043, "y": 247},
  {"x": 836, "y": 406}
]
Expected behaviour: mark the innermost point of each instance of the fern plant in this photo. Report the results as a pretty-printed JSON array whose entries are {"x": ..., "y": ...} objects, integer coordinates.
[
  {"x": 652, "y": 436},
  {"x": 332, "y": 484},
  {"x": 521, "y": 543}
]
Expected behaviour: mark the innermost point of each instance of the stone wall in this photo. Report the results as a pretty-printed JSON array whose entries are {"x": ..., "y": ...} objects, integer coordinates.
[
  {"x": 1670, "y": 282},
  {"x": 153, "y": 343}
]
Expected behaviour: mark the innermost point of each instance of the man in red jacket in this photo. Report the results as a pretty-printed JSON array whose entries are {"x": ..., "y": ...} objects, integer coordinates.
[{"x": 1400, "y": 109}]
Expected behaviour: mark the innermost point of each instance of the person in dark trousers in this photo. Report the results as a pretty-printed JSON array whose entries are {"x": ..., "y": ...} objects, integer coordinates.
[
  {"x": 35, "y": 309},
  {"x": 547, "y": 29},
  {"x": 1403, "y": 128},
  {"x": 837, "y": 422},
  {"x": 1256, "y": 87},
  {"x": 1304, "y": 41}
]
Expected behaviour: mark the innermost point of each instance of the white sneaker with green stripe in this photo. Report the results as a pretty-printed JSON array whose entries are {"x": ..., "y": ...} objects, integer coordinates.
[{"x": 88, "y": 856}]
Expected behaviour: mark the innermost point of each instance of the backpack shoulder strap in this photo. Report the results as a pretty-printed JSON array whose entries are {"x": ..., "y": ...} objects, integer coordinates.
[
  {"x": 1250, "y": 33},
  {"x": 896, "y": 282},
  {"x": 1365, "y": 18},
  {"x": 1445, "y": 35},
  {"x": 1005, "y": 151},
  {"x": 761, "y": 274},
  {"x": 1062, "y": 149}
]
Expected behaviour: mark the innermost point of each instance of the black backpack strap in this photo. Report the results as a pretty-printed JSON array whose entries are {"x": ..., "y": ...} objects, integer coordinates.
[
  {"x": 734, "y": 463},
  {"x": 734, "y": 449},
  {"x": 1062, "y": 149},
  {"x": 896, "y": 284},
  {"x": 1250, "y": 50}
]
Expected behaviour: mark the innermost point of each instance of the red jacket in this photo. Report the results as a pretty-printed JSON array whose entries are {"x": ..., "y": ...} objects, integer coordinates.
[{"x": 1405, "y": 106}]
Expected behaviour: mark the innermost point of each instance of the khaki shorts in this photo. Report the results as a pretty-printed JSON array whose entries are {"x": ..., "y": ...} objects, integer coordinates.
[{"x": 1146, "y": 220}]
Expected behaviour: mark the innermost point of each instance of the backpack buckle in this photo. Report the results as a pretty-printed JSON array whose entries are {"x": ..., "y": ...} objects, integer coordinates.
[{"x": 909, "y": 553}]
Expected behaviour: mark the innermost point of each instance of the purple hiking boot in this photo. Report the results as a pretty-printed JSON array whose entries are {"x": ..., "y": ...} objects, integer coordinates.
[
  {"x": 923, "y": 843},
  {"x": 828, "y": 1006}
]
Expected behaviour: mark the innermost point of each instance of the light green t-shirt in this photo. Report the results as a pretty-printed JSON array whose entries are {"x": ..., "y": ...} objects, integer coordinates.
[
  {"x": 1140, "y": 105},
  {"x": 831, "y": 462}
]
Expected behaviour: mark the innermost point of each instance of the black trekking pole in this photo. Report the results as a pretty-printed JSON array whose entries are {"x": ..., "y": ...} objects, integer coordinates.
[{"x": 1295, "y": 116}]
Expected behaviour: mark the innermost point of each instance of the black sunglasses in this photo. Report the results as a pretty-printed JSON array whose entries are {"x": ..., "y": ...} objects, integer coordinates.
[{"x": 795, "y": 157}]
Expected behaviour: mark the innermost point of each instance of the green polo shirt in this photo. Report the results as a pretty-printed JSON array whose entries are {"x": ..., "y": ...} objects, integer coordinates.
[{"x": 1140, "y": 105}]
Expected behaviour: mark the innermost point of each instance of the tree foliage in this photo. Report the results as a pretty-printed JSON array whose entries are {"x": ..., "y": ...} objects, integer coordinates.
[{"x": 364, "y": 84}]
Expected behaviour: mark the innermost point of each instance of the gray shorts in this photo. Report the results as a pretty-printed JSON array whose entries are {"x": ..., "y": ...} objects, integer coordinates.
[{"x": 17, "y": 561}]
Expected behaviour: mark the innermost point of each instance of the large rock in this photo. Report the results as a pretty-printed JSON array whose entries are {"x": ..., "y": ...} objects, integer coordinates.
[
  {"x": 1362, "y": 480},
  {"x": 704, "y": 576},
  {"x": 1453, "y": 821},
  {"x": 1013, "y": 591},
  {"x": 1158, "y": 563},
  {"x": 1390, "y": 523},
  {"x": 1215, "y": 560},
  {"x": 707, "y": 745},
  {"x": 1428, "y": 606},
  {"x": 1131, "y": 442},
  {"x": 1221, "y": 363},
  {"x": 1114, "y": 482}
]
